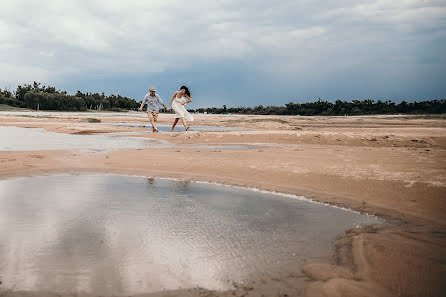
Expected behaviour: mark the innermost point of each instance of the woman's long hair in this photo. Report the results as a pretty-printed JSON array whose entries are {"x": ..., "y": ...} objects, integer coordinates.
[{"x": 186, "y": 89}]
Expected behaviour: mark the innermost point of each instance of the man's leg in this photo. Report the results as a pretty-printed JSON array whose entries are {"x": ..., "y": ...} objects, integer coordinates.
[
  {"x": 149, "y": 114},
  {"x": 155, "y": 119},
  {"x": 155, "y": 115}
]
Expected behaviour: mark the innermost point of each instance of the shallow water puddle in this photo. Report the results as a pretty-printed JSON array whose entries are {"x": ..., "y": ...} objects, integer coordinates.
[
  {"x": 32, "y": 139},
  {"x": 179, "y": 127},
  {"x": 25, "y": 139},
  {"x": 111, "y": 234}
]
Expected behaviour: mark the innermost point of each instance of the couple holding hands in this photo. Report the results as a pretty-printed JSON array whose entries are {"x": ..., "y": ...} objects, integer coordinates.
[{"x": 178, "y": 100}]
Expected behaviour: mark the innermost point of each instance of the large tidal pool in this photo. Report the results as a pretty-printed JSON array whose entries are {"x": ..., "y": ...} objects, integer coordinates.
[{"x": 112, "y": 234}]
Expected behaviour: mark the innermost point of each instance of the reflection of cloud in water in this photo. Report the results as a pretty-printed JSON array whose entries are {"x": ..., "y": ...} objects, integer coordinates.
[
  {"x": 178, "y": 128},
  {"x": 14, "y": 138},
  {"x": 31, "y": 139},
  {"x": 111, "y": 234},
  {"x": 52, "y": 222}
]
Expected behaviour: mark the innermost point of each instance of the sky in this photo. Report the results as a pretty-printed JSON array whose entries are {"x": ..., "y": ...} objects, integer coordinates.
[{"x": 237, "y": 53}]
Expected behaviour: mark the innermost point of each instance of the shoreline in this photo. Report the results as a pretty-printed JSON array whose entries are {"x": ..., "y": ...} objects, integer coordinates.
[
  {"x": 198, "y": 181},
  {"x": 414, "y": 204}
]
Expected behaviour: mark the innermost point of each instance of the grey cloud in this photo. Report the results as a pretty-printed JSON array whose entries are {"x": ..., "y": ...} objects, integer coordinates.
[{"x": 57, "y": 39}]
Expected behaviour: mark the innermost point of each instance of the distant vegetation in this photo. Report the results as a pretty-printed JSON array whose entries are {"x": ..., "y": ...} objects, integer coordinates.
[
  {"x": 339, "y": 108},
  {"x": 48, "y": 98},
  {"x": 40, "y": 97},
  {"x": 5, "y": 107}
]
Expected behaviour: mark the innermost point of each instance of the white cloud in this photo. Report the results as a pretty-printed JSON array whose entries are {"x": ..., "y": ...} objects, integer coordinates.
[
  {"x": 16, "y": 74},
  {"x": 403, "y": 13},
  {"x": 50, "y": 39}
]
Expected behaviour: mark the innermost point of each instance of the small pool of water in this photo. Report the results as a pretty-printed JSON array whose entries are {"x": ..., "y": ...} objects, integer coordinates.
[
  {"x": 33, "y": 139},
  {"x": 114, "y": 235},
  {"x": 178, "y": 128},
  {"x": 26, "y": 139}
]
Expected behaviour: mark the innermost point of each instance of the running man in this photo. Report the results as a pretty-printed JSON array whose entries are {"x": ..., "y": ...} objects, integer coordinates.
[{"x": 153, "y": 101}]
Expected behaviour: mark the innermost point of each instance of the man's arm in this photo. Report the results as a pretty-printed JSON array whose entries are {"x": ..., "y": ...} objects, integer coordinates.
[{"x": 142, "y": 103}]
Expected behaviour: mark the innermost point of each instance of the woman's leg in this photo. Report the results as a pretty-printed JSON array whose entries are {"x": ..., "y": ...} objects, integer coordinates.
[
  {"x": 174, "y": 124},
  {"x": 184, "y": 124}
]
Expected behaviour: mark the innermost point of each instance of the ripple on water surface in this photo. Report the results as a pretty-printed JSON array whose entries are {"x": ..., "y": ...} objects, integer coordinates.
[{"x": 111, "y": 234}]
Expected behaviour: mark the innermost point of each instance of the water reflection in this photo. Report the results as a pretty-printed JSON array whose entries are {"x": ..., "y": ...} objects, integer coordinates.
[
  {"x": 108, "y": 234},
  {"x": 29, "y": 139},
  {"x": 24, "y": 139},
  {"x": 166, "y": 128}
]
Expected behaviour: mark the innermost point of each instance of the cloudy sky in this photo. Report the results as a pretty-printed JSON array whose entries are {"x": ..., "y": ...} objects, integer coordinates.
[{"x": 238, "y": 53}]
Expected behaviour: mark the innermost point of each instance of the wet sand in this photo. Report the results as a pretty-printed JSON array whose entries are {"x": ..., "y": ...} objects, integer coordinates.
[{"x": 391, "y": 166}]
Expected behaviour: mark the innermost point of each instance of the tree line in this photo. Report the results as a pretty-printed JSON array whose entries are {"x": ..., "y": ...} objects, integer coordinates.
[
  {"x": 338, "y": 108},
  {"x": 40, "y": 97}
]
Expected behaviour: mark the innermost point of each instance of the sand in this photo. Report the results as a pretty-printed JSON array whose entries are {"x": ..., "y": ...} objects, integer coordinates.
[{"x": 390, "y": 166}]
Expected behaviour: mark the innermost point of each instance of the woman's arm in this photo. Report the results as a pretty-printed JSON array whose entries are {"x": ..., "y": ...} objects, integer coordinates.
[
  {"x": 188, "y": 97},
  {"x": 171, "y": 99}
]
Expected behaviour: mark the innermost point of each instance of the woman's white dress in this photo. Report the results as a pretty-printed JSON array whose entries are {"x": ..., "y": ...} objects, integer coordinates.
[{"x": 180, "y": 111}]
